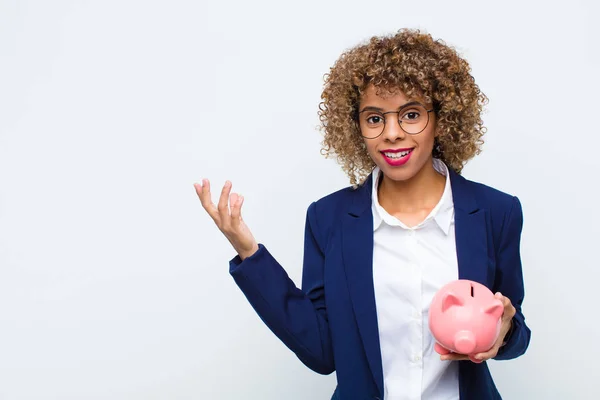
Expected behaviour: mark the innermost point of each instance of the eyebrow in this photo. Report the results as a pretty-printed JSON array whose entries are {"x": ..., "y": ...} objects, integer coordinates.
[{"x": 373, "y": 108}]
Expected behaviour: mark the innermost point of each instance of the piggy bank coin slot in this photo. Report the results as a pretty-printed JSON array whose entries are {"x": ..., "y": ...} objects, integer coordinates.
[{"x": 472, "y": 291}]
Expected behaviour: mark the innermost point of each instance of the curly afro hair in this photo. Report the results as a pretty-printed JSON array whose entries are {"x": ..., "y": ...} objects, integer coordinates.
[{"x": 420, "y": 67}]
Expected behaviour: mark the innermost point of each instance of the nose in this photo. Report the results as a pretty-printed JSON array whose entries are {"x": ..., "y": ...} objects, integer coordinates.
[
  {"x": 392, "y": 130},
  {"x": 464, "y": 341}
]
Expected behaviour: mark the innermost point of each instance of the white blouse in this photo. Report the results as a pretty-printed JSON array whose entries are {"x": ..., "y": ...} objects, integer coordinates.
[{"x": 409, "y": 266}]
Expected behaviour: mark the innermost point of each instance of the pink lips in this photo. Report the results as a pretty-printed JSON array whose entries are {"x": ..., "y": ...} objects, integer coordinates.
[{"x": 397, "y": 162}]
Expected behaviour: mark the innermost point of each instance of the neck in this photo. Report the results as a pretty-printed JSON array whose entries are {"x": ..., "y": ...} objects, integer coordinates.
[{"x": 423, "y": 190}]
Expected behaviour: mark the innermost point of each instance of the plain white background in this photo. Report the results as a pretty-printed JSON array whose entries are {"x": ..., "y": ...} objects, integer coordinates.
[{"x": 114, "y": 282}]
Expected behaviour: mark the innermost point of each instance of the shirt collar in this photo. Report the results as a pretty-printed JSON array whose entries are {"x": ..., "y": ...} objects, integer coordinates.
[{"x": 442, "y": 213}]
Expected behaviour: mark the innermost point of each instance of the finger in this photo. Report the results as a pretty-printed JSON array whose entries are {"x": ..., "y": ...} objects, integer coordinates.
[
  {"x": 236, "y": 210},
  {"x": 502, "y": 299},
  {"x": 506, "y": 303},
  {"x": 509, "y": 309},
  {"x": 203, "y": 192},
  {"x": 454, "y": 357},
  {"x": 222, "y": 207},
  {"x": 475, "y": 360},
  {"x": 233, "y": 198},
  {"x": 491, "y": 353}
]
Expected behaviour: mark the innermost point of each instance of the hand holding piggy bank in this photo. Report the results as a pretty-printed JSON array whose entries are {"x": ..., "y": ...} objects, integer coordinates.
[{"x": 465, "y": 318}]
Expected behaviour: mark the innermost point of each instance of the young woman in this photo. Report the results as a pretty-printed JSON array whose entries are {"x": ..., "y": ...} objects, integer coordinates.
[{"x": 402, "y": 114}]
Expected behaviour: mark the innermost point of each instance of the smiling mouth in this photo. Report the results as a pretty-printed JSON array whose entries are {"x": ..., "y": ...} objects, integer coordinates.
[{"x": 397, "y": 155}]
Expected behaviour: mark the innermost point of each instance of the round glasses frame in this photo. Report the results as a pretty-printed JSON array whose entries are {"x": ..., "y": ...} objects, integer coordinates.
[{"x": 384, "y": 121}]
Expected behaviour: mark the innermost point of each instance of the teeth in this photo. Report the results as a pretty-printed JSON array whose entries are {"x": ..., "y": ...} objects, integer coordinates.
[{"x": 397, "y": 155}]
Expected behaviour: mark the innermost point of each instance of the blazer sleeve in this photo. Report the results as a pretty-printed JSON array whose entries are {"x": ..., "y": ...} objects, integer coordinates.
[
  {"x": 297, "y": 317},
  {"x": 509, "y": 281}
]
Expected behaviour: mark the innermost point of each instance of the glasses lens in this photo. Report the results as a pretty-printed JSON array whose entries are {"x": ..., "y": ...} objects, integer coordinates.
[
  {"x": 412, "y": 119},
  {"x": 371, "y": 123}
]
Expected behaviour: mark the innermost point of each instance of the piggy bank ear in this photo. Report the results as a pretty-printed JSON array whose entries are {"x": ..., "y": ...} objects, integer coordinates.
[
  {"x": 495, "y": 309},
  {"x": 449, "y": 300}
]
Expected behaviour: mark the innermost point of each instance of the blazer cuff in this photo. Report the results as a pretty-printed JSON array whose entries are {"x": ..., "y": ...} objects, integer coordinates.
[{"x": 236, "y": 264}]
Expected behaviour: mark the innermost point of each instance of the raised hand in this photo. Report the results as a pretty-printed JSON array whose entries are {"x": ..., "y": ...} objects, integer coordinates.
[{"x": 230, "y": 223}]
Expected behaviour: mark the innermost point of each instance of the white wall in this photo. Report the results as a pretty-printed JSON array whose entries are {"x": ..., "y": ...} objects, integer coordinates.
[{"x": 114, "y": 282}]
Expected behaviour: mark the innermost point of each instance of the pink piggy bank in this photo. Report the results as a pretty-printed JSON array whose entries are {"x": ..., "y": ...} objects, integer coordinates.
[{"x": 465, "y": 318}]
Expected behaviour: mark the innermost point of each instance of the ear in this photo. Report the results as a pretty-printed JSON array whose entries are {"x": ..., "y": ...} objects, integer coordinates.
[
  {"x": 495, "y": 309},
  {"x": 449, "y": 300}
]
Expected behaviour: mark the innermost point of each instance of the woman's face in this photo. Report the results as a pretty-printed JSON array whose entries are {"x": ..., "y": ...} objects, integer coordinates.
[{"x": 415, "y": 149}]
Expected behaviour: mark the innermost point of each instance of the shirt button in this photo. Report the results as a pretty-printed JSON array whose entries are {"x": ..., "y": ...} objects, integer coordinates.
[{"x": 417, "y": 358}]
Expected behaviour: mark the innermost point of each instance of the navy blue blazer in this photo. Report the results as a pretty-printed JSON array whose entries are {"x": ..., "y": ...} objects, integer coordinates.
[{"x": 331, "y": 323}]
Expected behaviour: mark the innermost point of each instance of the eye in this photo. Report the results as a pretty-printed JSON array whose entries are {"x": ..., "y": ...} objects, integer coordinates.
[
  {"x": 411, "y": 116},
  {"x": 374, "y": 119}
]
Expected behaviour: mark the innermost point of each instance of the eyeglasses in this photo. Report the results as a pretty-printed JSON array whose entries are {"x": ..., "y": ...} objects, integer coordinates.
[{"x": 412, "y": 117}]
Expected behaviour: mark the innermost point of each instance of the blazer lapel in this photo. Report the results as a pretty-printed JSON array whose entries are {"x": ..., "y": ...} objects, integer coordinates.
[
  {"x": 470, "y": 231},
  {"x": 357, "y": 251}
]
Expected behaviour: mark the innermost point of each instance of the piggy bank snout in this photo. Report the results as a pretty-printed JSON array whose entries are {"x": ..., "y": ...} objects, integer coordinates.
[{"x": 464, "y": 342}]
